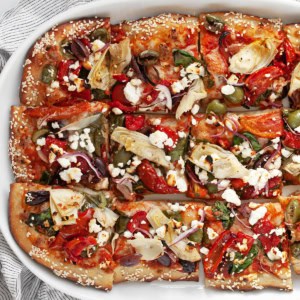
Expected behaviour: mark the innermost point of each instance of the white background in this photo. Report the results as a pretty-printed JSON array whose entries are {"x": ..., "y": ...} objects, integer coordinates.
[{"x": 6, "y": 5}]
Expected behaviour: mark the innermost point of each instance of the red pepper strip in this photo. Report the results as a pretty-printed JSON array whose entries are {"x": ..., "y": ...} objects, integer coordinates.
[
  {"x": 291, "y": 140},
  {"x": 63, "y": 69},
  {"x": 215, "y": 254},
  {"x": 152, "y": 181},
  {"x": 75, "y": 247},
  {"x": 84, "y": 95},
  {"x": 138, "y": 221},
  {"x": 240, "y": 237},
  {"x": 124, "y": 108},
  {"x": 134, "y": 122},
  {"x": 290, "y": 53},
  {"x": 121, "y": 78}
]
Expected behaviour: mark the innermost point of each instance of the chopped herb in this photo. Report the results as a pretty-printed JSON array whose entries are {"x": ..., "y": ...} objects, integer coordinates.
[{"x": 222, "y": 213}]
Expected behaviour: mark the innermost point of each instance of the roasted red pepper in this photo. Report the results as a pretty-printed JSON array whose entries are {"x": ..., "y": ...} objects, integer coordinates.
[
  {"x": 172, "y": 134},
  {"x": 63, "y": 69},
  {"x": 49, "y": 141},
  {"x": 121, "y": 78},
  {"x": 237, "y": 183},
  {"x": 138, "y": 221},
  {"x": 152, "y": 180},
  {"x": 122, "y": 107},
  {"x": 117, "y": 94},
  {"x": 84, "y": 95},
  {"x": 134, "y": 122},
  {"x": 291, "y": 140}
]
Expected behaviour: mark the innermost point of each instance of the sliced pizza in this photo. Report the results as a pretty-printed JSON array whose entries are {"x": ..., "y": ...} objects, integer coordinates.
[
  {"x": 57, "y": 227},
  {"x": 69, "y": 63},
  {"x": 148, "y": 154},
  {"x": 292, "y": 61},
  {"x": 235, "y": 156},
  {"x": 158, "y": 241},
  {"x": 155, "y": 64},
  {"x": 60, "y": 145},
  {"x": 291, "y": 146},
  {"x": 246, "y": 247},
  {"x": 239, "y": 52}
]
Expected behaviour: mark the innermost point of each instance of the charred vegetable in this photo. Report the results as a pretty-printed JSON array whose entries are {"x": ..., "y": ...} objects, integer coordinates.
[
  {"x": 37, "y": 197},
  {"x": 148, "y": 58}
]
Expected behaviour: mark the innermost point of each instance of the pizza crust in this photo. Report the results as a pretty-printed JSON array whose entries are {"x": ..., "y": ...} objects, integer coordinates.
[
  {"x": 35, "y": 244},
  {"x": 46, "y": 50}
]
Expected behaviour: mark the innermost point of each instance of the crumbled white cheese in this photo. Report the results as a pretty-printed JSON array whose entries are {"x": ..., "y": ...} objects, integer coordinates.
[
  {"x": 257, "y": 214},
  {"x": 231, "y": 196},
  {"x": 127, "y": 234},
  {"x": 161, "y": 231},
  {"x": 274, "y": 254},
  {"x": 233, "y": 79},
  {"x": 114, "y": 172},
  {"x": 71, "y": 174},
  {"x": 117, "y": 111},
  {"x": 97, "y": 45},
  {"x": 103, "y": 237},
  {"x": 211, "y": 233},
  {"x": 223, "y": 184},
  {"x": 177, "y": 87},
  {"x": 286, "y": 153},
  {"x": 194, "y": 122},
  {"x": 204, "y": 250},
  {"x": 139, "y": 235},
  {"x": 297, "y": 129},
  {"x": 133, "y": 91},
  {"x": 64, "y": 162},
  {"x": 210, "y": 120},
  {"x": 55, "y": 125},
  {"x": 296, "y": 158},
  {"x": 278, "y": 231},
  {"x": 195, "y": 109},
  {"x": 227, "y": 89},
  {"x": 175, "y": 178},
  {"x": 176, "y": 207},
  {"x": 158, "y": 138},
  {"x": 195, "y": 68},
  {"x": 41, "y": 141},
  {"x": 181, "y": 134},
  {"x": 196, "y": 224},
  {"x": 93, "y": 226},
  {"x": 55, "y": 84}
]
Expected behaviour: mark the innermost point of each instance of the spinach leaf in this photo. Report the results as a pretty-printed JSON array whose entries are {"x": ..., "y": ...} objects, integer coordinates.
[
  {"x": 182, "y": 58},
  {"x": 97, "y": 131},
  {"x": 254, "y": 142},
  {"x": 179, "y": 150},
  {"x": 222, "y": 213},
  {"x": 42, "y": 222}
]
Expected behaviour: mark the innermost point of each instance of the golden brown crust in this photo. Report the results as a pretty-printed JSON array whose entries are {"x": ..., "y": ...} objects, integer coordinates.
[
  {"x": 255, "y": 281},
  {"x": 46, "y": 50},
  {"x": 35, "y": 244}
]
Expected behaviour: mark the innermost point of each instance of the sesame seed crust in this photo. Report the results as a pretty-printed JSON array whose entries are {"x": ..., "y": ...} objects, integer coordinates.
[{"x": 46, "y": 50}]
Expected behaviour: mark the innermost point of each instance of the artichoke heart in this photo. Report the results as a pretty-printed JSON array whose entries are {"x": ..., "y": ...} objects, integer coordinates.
[
  {"x": 150, "y": 249},
  {"x": 140, "y": 145},
  {"x": 291, "y": 167},
  {"x": 99, "y": 76},
  {"x": 120, "y": 55},
  {"x": 212, "y": 158},
  {"x": 157, "y": 218},
  {"x": 254, "y": 56},
  {"x": 195, "y": 93},
  {"x": 295, "y": 80}
]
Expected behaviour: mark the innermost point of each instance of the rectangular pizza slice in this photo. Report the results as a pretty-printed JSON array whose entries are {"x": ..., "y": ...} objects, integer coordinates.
[
  {"x": 60, "y": 145},
  {"x": 291, "y": 146},
  {"x": 68, "y": 63},
  {"x": 246, "y": 247},
  {"x": 58, "y": 229},
  {"x": 155, "y": 64},
  {"x": 158, "y": 241},
  {"x": 148, "y": 154},
  {"x": 239, "y": 52},
  {"x": 291, "y": 207},
  {"x": 292, "y": 61},
  {"x": 235, "y": 156}
]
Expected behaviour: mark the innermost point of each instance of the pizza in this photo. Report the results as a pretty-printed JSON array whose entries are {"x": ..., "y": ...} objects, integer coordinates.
[
  {"x": 93, "y": 239},
  {"x": 291, "y": 206},
  {"x": 240, "y": 52},
  {"x": 69, "y": 63},
  {"x": 235, "y": 156},
  {"x": 155, "y": 64},
  {"x": 246, "y": 247},
  {"x": 148, "y": 154},
  {"x": 60, "y": 145}
]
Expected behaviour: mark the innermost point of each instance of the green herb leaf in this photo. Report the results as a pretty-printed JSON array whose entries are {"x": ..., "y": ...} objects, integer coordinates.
[
  {"x": 183, "y": 58},
  {"x": 196, "y": 236},
  {"x": 45, "y": 178},
  {"x": 222, "y": 213},
  {"x": 254, "y": 142},
  {"x": 179, "y": 150},
  {"x": 42, "y": 222}
]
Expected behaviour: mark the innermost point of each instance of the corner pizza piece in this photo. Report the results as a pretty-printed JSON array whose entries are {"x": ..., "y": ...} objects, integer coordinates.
[
  {"x": 235, "y": 156},
  {"x": 60, "y": 145},
  {"x": 292, "y": 60},
  {"x": 246, "y": 248},
  {"x": 155, "y": 64},
  {"x": 158, "y": 241},
  {"x": 56, "y": 227},
  {"x": 68, "y": 63},
  {"x": 240, "y": 52},
  {"x": 291, "y": 146},
  {"x": 291, "y": 207},
  {"x": 148, "y": 154}
]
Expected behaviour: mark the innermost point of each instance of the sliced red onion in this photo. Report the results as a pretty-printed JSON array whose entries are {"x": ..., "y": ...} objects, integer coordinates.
[
  {"x": 124, "y": 185},
  {"x": 86, "y": 158},
  {"x": 103, "y": 48},
  {"x": 240, "y": 84},
  {"x": 163, "y": 89},
  {"x": 191, "y": 174},
  {"x": 184, "y": 235},
  {"x": 220, "y": 133},
  {"x": 202, "y": 215},
  {"x": 130, "y": 260},
  {"x": 143, "y": 231},
  {"x": 233, "y": 127},
  {"x": 233, "y": 212},
  {"x": 273, "y": 156},
  {"x": 100, "y": 165},
  {"x": 42, "y": 156}
]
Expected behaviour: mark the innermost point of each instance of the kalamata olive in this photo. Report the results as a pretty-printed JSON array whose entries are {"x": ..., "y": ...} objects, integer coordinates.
[
  {"x": 237, "y": 97},
  {"x": 262, "y": 160},
  {"x": 148, "y": 57},
  {"x": 182, "y": 58},
  {"x": 65, "y": 49},
  {"x": 101, "y": 167},
  {"x": 213, "y": 23},
  {"x": 121, "y": 157},
  {"x": 79, "y": 49},
  {"x": 130, "y": 260},
  {"x": 187, "y": 266},
  {"x": 295, "y": 98},
  {"x": 49, "y": 73},
  {"x": 294, "y": 119},
  {"x": 100, "y": 34},
  {"x": 292, "y": 212},
  {"x": 295, "y": 250},
  {"x": 36, "y": 197},
  {"x": 164, "y": 260},
  {"x": 38, "y": 134},
  {"x": 121, "y": 224},
  {"x": 196, "y": 236},
  {"x": 217, "y": 107}
]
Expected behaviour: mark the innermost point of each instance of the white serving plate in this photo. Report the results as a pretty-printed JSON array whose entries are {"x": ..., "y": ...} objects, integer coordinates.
[{"x": 118, "y": 10}]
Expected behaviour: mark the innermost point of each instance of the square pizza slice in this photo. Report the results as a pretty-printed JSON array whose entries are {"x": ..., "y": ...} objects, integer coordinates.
[
  {"x": 292, "y": 62},
  {"x": 60, "y": 145},
  {"x": 291, "y": 146},
  {"x": 148, "y": 154},
  {"x": 246, "y": 247},
  {"x": 235, "y": 156},
  {"x": 240, "y": 53},
  {"x": 155, "y": 64},
  {"x": 68, "y": 63},
  {"x": 158, "y": 240},
  {"x": 291, "y": 207},
  {"x": 57, "y": 227}
]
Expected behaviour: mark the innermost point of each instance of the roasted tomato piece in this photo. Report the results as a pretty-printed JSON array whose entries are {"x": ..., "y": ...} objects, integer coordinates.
[
  {"x": 138, "y": 222},
  {"x": 134, "y": 122}
]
